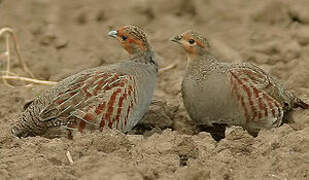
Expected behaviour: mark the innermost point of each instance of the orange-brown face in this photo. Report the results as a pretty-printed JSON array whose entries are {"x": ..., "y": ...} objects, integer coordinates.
[
  {"x": 192, "y": 42},
  {"x": 131, "y": 39}
]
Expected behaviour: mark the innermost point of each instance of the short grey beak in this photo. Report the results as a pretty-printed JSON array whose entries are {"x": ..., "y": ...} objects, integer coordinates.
[{"x": 113, "y": 33}]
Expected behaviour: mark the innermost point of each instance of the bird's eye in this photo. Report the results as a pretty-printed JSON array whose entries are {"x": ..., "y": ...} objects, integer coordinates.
[
  {"x": 191, "y": 41},
  {"x": 124, "y": 37}
]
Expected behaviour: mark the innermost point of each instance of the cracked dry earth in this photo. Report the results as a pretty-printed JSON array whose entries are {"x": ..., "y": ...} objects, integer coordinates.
[{"x": 59, "y": 38}]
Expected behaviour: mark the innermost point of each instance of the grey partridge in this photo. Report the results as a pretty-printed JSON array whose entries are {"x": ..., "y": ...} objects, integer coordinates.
[
  {"x": 114, "y": 96},
  {"x": 217, "y": 94}
]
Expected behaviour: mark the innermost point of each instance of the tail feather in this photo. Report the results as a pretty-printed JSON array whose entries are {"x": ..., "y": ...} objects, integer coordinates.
[
  {"x": 19, "y": 131},
  {"x": 300, "y": 103}
]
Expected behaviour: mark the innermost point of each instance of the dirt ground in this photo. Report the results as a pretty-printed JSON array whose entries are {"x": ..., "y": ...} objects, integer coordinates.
[{"x": 59, "y": 38}]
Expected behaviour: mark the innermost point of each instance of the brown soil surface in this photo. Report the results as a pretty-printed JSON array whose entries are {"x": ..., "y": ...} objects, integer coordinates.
[{"x": 59, "y": 38}]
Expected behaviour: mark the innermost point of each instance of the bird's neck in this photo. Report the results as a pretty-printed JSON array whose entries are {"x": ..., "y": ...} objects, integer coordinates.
[
  {"x": 145, "y": 57},
  {"x": 198, "y": 63}
]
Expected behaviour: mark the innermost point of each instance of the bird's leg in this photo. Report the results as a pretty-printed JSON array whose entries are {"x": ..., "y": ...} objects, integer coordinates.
[
  {"x": 70, "y": 135},
  {"x": 217, "y": 131},
  {"x": 253, "y": 133},
  {"x": 141, "y": 128}
]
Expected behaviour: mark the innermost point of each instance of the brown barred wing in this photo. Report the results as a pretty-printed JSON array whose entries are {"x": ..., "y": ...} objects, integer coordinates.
[
  {"x": 251, "y": 87},
  {"x": 103, "y": 99},
  {"x": 112, "y": 108},
  {"x": 68, "y": 95}
]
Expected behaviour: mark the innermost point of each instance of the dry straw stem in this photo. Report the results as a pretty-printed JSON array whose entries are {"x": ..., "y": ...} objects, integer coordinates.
[
  {"x": 68, "y": 154},
  {"x": 36, "y": 81},
  {"x": 167, "y": 68},
  {"x": 9, "y": 34}
]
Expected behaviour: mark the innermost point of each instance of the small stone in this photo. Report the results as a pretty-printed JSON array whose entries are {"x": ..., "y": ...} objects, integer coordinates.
[
  {"x": 299, "y": 11},
  {"x": 47, "y": 39},
  {"x": 60, "y": 43},
  {"x": 82, "y": 18},
  {"x": 100, "y": 17},
  {"x": 301, "y": 34}
]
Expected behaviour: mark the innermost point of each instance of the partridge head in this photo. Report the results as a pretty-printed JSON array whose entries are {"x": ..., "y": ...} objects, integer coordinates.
[
  {"x": 193, "y": 43},
  {"x": 132, "y": 38}
]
